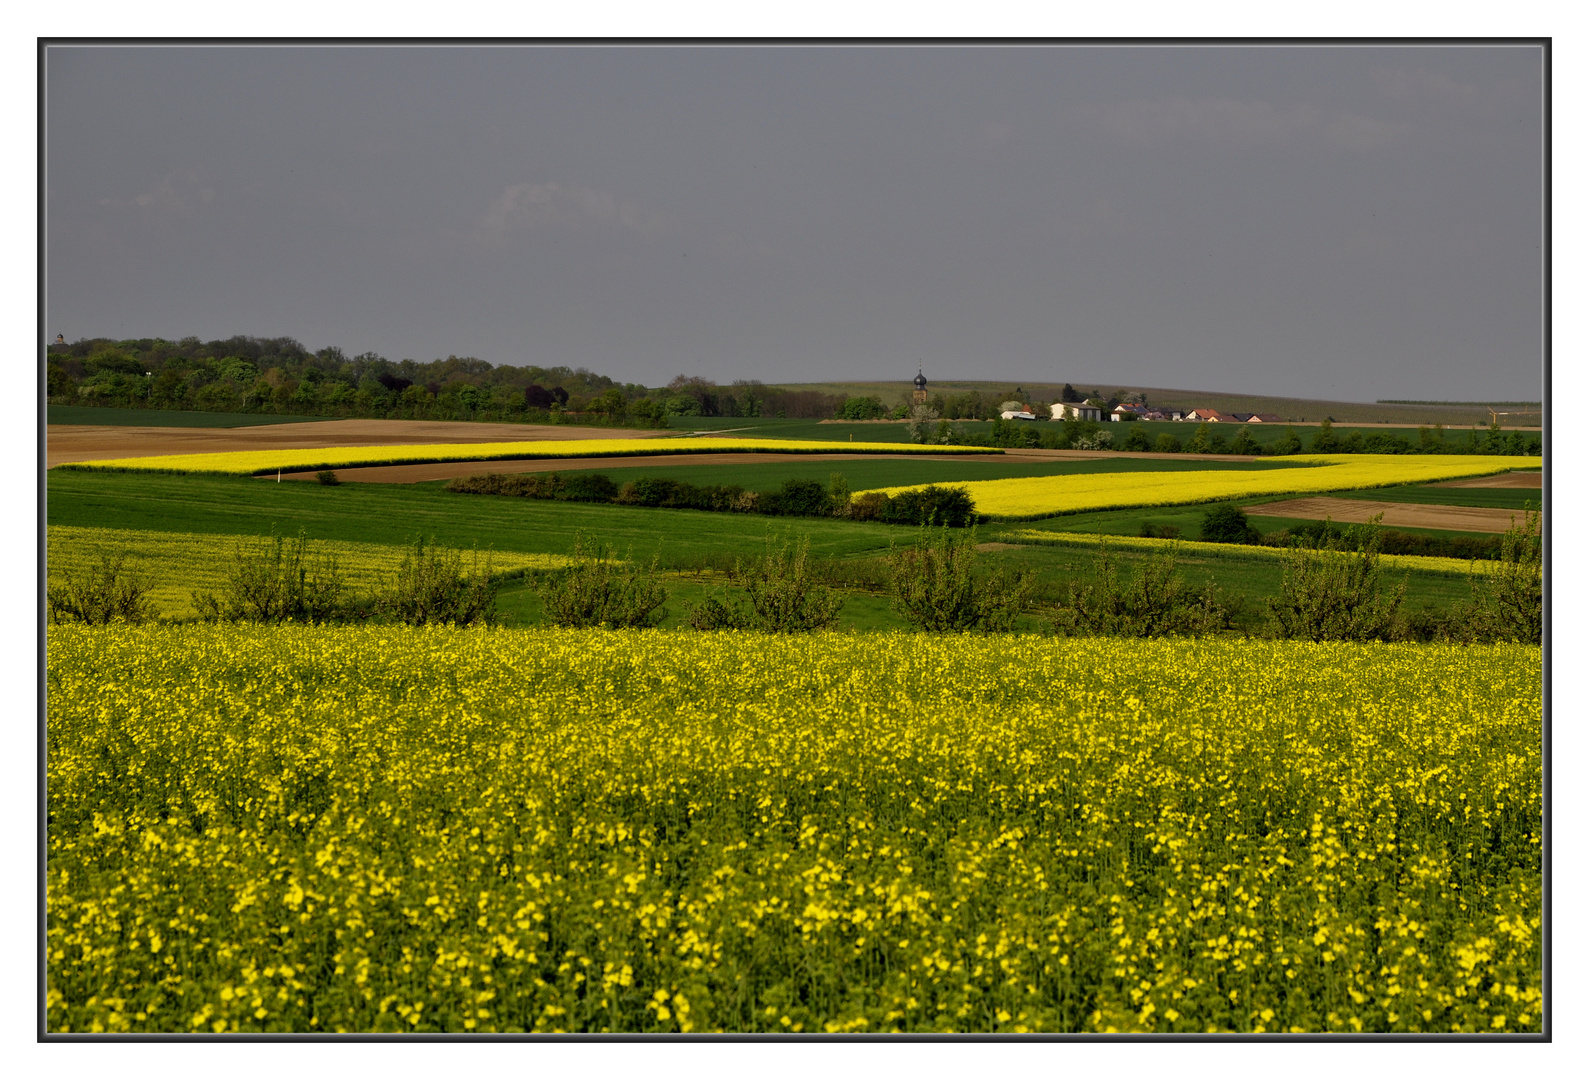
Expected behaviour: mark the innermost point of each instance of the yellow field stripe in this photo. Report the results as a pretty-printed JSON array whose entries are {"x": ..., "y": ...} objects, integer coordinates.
[
  {"x": 1027, "y": 498},
  {"x": 1434, "y": 563},
  {"x": 259, "y": 462}
]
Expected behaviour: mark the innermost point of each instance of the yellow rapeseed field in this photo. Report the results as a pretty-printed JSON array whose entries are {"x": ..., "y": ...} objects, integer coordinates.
[
  {"x": 1045, "y": 496},
  {"x": 396, "y": 829},
  {"x": 1204, "y": 549},
  {"x": 259, "y": 462},
  {"x": 175, "y": 565}
]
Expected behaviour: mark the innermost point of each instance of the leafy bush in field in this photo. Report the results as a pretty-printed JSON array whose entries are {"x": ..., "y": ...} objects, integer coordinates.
[
  {"x": 585, "y": 487},
  {"x": 1288, "y": 444},
  {"x": 795, "y": 498},
  {"x": 1153, "y": 602},
  {"x": 935, "y": 586},
  {"x": 1244, "y": 443},
  {"x": 597, "y": 590},
  {"x": 1137, "y": 441},
  {"x": 671, "y": 832},
  {"x": 275, "y": 580},
  {"x": 1509, "y": 601},
  {"x": 679, "y": 495},
  {"x": 1167, "y": 443},
  {"x": 1320, "y": 534},
  {"x": 930, "y": 505},
  {"x": 1228, "y": 524},
  {"x": 1334, "y": 594},
  {"x": 785, "y": 596},
  {"x": 1153, "y": 531},
  {"x": 328, "y": 477},
  {"x": 103, "y": 593},
  {"x": 432, "y": 587}
]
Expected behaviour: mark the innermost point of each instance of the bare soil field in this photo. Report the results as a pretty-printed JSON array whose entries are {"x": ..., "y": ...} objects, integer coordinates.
[
  {"x": 87, "y": 442},
  {"x": 1501, "y": 480},
  {"x": 1397, "y": 515}
]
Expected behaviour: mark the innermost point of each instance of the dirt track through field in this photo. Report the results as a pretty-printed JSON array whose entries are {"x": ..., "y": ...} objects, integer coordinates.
[
  {"x": 1397, "y": 515},
  {"x": 1500, "y": 480},
  {"x": 88, "y": 442}
]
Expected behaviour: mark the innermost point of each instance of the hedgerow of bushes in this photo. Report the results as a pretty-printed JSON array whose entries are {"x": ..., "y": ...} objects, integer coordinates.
[{"x": 932, "y": 505}]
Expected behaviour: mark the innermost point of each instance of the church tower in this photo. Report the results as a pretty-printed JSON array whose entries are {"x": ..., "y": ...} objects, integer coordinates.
[{"x": 920, "y": 395}]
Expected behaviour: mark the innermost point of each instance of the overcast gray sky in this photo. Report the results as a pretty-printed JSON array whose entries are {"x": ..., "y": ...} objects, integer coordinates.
[{"x": 1353, "y": 223}]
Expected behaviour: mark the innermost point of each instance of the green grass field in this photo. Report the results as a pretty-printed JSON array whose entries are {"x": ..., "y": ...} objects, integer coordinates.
[{"x": 690, "y": 543}]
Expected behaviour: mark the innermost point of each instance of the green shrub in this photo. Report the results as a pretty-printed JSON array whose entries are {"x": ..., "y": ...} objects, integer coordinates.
[
  {"x": 1137, "y": 441},
  {"x": 1243, "y": 443},
  {"x": 276, "y": 581},
  {"x": 784, "y": 593},
  {"x": 105, "y": 593},
  {"x": 1508, "y": 601},
  {"x": 931, "y": 505},
  {"x": 935, "y": 586},
  {"x": 1167, "y": 444},
  {"x": 1289, "y": 444},
  {"x": 599, "y": 590},
  {"x": 1152, "y": 531},
  {"x": 593, "y": 487},
  {"x": 1228, "y": 524},
  {"x": 431, "y": 587},
  {"x": 1333, "y": 594},
  {"x": 1153, "y": 602},
  {"x": 328, "y": 477}
]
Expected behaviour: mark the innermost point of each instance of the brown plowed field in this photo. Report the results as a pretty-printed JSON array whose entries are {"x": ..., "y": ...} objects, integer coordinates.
[
  {"x": 1500, "y": 480},
  {"x": 1397, "y": 515},
  {"x": 71, "y": 442}
]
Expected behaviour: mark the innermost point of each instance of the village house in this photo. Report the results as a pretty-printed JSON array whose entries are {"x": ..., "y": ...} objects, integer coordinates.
[
  {"x": 1211, "y": 416},
  {"x": 1263, "y": 418}
]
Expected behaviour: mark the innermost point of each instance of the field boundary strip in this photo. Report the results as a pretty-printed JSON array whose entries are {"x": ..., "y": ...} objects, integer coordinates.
[
  {"x": 1437, "y": 564},
  {"x": 262, "y": 462},
  {"x": 1034, "y": 498}
]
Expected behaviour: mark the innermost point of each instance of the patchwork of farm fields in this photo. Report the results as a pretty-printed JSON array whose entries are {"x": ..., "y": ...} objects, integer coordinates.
[
  {"x": 687, "y": 541},
  {"x": 517, "y": 828},
  {"x": 379, "y": 829}
]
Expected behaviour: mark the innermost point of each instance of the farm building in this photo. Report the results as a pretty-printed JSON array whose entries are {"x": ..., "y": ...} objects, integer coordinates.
[
  {"x": 1121, "y": 410},
  {"x": 1064, "y": 410},
  {"x": 1014, "y": 414},
  {"x": 1263, "y": 418},
  {"x": 1211, "y": 416}
]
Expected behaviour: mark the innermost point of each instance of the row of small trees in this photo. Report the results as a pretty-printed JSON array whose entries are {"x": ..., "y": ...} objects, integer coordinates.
[{"x": 1329, "y": 593}]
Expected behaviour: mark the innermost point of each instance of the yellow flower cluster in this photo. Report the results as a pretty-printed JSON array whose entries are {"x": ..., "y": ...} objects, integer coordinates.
[
  {"x": 1045, "y": 496},
  {"x": 1203, "y": 549},
  {"x": 397, "y": 829},
  {"x": 175, "y": 565},
  {"x": 260, "y": 462}
]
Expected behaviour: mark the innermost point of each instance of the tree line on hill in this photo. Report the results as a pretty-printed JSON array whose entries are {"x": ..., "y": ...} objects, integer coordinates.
[{"x": 278, "y": 375}]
